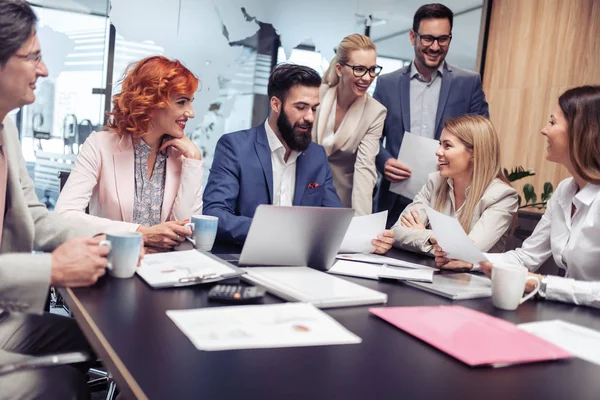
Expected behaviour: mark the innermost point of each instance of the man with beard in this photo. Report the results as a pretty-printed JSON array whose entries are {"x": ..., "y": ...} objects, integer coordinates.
[
  {"x": 272, "y": 163},
  {"x": 420, "y": 97}
]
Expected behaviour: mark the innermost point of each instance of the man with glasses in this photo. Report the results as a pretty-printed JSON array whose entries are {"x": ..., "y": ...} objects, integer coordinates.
[
  {"x": 26, "y": 225},
  {"x": 420, "y": 97}
]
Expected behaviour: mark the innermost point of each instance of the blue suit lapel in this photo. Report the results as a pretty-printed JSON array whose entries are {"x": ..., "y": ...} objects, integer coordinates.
[
  {"x": 302, "y": 175},
  {"x": 263, "y": 151},
  {"x": 444, "y": 94},
  {"x": 405, "y": 98}
]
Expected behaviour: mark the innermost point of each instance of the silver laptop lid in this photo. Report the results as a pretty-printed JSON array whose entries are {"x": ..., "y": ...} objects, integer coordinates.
[{"x": 295, "y": 236}]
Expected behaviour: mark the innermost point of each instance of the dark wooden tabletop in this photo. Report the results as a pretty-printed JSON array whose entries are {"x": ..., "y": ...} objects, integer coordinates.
[{"x": 125, "y": 321}]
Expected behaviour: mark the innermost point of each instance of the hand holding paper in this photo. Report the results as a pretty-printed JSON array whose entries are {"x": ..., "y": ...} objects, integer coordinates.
[
  {"x": 361, "y": 231},
  {"x": 452, "y": 238},
  {"x": 418, "y": 153}
]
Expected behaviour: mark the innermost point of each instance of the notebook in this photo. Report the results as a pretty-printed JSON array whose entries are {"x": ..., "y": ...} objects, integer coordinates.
[
  {"x": 184, "y": 268},
  {"x": 374, "y": 271},
  {"x": 311, "y": 286},
  {"x": 475, "y": 338},
  {"x": 457, "y": 286}
]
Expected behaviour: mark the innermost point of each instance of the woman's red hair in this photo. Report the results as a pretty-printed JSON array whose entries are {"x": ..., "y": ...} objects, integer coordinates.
[{"x": 148, "y": 85}]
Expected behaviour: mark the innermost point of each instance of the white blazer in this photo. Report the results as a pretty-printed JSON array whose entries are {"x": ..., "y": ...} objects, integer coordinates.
[
  {"x": 490, "y": 225},
  {"x": 355, "y": 146}
]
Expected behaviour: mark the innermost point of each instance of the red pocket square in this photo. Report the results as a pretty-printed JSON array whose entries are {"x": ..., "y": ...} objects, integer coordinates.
[{"x": 313, "y": 185}]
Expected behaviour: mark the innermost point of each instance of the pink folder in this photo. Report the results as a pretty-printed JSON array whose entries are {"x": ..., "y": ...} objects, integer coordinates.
[{"x": 472, "y": 337}]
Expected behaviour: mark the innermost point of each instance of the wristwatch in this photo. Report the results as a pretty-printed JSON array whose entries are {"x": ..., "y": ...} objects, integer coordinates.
[{"x": 542, "y": 292}]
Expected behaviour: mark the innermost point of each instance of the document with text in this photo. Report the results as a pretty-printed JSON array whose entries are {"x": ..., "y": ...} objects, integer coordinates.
[{"x": 260, "y": 326}]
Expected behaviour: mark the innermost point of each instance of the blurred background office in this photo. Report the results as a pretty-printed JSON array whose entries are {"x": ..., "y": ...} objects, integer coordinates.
[
  {"x": 528, "y": 52},
  {"x": 231, "y": 46}
]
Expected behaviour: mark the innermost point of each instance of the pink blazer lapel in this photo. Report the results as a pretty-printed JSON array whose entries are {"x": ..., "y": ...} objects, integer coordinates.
[
  {"x": 172, "y": 178},
  {"x": 349, "y": 124},
  {"x": 124, "y": 177}
]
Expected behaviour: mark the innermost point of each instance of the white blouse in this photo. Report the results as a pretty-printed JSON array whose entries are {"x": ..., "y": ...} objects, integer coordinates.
[{"x": 573, "y": 241}]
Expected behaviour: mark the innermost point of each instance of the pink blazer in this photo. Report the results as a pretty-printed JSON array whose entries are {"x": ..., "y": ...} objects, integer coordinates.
[{"x": 103, "y": 177}]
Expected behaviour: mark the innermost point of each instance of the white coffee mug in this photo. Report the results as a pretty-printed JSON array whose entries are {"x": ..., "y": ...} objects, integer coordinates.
[
  {"x": 125, "y": 248},
  {"x": 508, "y": 285}
]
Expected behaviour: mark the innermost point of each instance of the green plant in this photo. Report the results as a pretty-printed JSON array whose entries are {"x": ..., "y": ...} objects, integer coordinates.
[{"x": 531, "y": 198}]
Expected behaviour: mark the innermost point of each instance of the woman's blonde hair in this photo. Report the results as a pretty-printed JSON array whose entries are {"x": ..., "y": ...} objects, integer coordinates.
[
  {"x": 479, "y": 137},
  {"x": 350, "y": 43}
]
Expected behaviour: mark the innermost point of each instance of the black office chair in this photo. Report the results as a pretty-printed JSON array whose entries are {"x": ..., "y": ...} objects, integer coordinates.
[{"x": 99, "y": 379}]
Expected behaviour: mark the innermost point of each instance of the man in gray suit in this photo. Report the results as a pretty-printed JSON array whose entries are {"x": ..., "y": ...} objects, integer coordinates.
[
  {"x": 26, "y": 225},
  {"x": 420, "y": 97}
]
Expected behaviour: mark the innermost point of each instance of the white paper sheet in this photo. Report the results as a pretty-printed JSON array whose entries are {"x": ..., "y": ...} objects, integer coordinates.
[
  {"x": 166, "y": 269},
  {"x": 362, "y": 231},
  {"x": 418, "y": 153},
  {"x": 379, "y": 259},
  {"x": 375, "y": 271},
  {"x": 580, "y": 341},
  {"x": 260, "y": 326},
  {"x": 452, "y": 238},
  {"x": 404, "y": 274}
]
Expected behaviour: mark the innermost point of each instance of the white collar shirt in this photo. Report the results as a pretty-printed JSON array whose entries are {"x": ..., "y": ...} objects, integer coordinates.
[
  {"x": 573, "y": 242},
  {"x": 284, "y": 173}
]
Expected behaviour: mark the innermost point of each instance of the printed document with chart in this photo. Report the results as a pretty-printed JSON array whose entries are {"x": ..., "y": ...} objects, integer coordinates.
[{"x": 260, "y": 326}]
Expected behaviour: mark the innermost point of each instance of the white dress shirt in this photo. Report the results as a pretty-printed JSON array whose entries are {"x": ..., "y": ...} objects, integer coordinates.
[
  {"x": 284, "y": 173},
  {"x": 574, "y": 242}
]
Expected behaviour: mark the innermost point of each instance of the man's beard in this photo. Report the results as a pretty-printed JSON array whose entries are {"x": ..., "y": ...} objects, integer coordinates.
[{"x": 295, "y": 140}]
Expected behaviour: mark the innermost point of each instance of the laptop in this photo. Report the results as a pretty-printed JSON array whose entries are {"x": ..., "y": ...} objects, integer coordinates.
[{"x": 295, "y": 236}]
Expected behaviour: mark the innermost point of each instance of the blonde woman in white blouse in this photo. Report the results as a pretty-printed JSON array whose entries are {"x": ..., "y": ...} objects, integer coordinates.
[
  {"x": 569, "y": 230},
  {"x": 469, "y": 186},
  {"x": 349, "y": 122}
]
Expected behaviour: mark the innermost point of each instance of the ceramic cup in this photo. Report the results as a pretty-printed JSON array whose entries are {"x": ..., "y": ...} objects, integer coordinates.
[
  {"x": 125, "y": 248},
  {"x": 508, "y": 284},
  {"x": 204, "y": 231}
]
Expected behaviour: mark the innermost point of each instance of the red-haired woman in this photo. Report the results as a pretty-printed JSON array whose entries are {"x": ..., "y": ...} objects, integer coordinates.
[{"x": 141, "y": 173}]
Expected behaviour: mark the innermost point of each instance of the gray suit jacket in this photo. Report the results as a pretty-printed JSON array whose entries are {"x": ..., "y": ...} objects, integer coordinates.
[
  {"x": 461, "y": 94},
  {"x": 24, "y": 277}
]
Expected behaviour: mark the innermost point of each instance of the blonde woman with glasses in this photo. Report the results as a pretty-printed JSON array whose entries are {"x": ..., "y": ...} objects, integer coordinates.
[
  {"x": 349, "y": 122},
  {"x": 469, "y": 186}
]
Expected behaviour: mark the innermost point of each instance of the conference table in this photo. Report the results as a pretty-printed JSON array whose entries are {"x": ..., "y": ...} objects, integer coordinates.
[{"x": 150, "y": 358}]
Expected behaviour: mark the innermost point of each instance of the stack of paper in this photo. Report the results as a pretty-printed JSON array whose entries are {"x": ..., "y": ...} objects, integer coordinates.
[
  {"x": 260, "y": 326},
  {"x": 373, "y": 271},
  {"x": 380, "y": 260},
  {"x": 470, "y": 336}
]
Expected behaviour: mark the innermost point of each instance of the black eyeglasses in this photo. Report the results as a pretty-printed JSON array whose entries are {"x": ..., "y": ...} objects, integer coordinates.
[
  {"x": 360, "y": 70},
  {"x": 33, "y": 57},
  {"x": 427, "y": 40}
]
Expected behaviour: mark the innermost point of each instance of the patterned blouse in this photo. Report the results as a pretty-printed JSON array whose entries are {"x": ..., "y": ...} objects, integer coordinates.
[{"x": 149, "y": 192}]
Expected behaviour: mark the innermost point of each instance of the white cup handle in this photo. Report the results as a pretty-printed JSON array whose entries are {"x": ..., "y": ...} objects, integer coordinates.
[
  {"x": 534, "y": 291},
  {"x": 109, "y": 245},
  {"x": 190, "y": 225}
]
